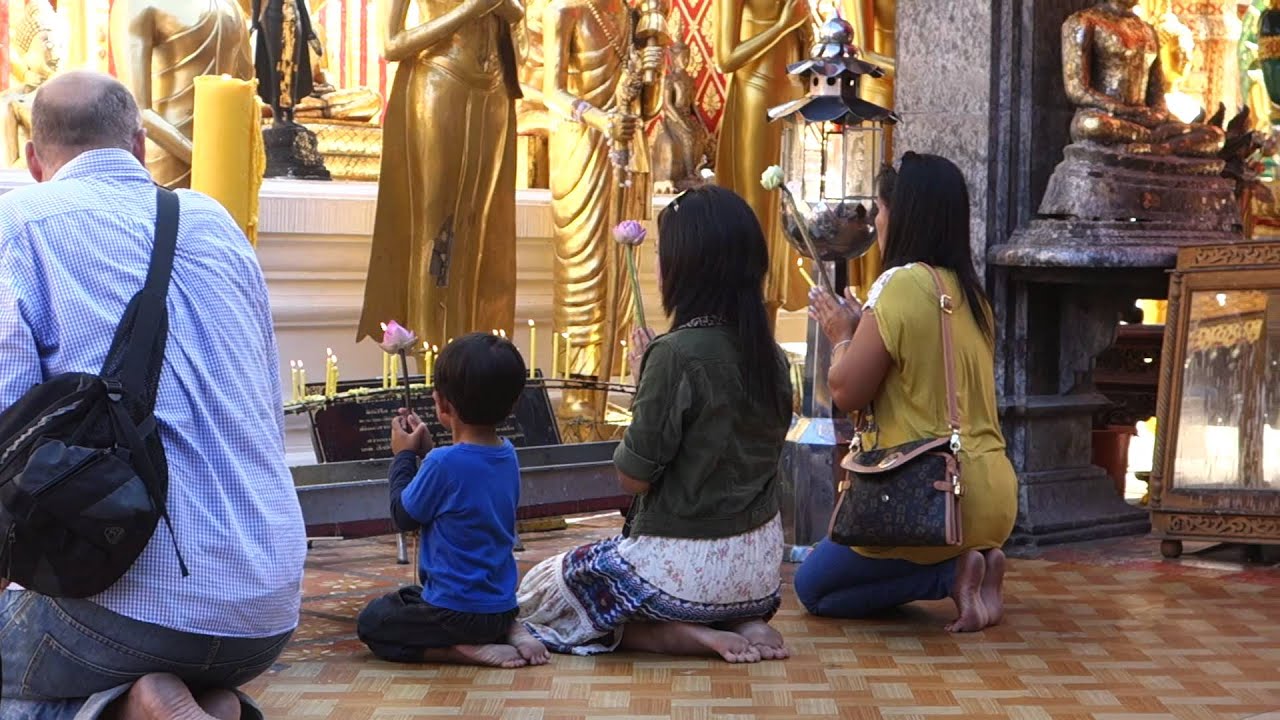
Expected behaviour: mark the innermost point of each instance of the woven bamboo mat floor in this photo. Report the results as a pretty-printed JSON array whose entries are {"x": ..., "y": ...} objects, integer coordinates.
[{"x": 1106, "y": 631}]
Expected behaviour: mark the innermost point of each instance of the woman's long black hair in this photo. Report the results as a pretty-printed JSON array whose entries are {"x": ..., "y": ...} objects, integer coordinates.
[
  {"x": 712, "y": 259},
  {"x": 929, "y": 223}
]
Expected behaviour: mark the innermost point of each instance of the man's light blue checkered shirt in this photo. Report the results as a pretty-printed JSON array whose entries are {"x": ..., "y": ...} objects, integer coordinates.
[{"x": 73, "y": 251}]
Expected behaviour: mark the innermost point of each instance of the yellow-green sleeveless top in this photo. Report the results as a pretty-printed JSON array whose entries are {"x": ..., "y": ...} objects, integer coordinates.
[{"x": 912, "y": 403}]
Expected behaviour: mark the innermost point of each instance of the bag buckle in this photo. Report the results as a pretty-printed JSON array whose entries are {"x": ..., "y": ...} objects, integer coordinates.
[
  {"x": 955, "y": 441},
  {"x": 946, "y": 303},
  {"x": 115, "y": 390},
  {"x": 956, "y": 487}
]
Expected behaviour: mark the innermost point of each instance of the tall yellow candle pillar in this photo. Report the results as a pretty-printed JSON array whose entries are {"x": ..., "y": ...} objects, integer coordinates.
[{"x": 227, "y": 156}]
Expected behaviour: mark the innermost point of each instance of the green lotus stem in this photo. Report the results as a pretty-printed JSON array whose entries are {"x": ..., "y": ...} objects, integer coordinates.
[
  {"x": 637, "y": 301},
  {"x": 790, "y": 200}
]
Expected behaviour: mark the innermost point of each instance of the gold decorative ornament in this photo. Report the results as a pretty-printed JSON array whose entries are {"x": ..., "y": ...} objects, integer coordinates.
[{"x": 39, "y": 47}]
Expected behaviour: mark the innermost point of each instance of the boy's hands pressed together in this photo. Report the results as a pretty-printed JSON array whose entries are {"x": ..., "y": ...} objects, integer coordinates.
[{"x": 409, "y": 433}]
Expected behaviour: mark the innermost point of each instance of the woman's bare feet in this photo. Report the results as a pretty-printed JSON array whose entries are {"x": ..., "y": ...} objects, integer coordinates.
[
  {"x": 164, "y": 697},
  {"x": 992, "y": 591},
  {"x": 764, "y": 638},
  {"x": 677, "y": 638},
  {"x": 971, "y": 569},
  {"x": 529, "y": 647},
  {"x": 503, "y": 656}
]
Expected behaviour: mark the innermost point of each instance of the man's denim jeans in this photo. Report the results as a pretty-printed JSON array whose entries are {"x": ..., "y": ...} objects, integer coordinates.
[{"x": 56, "y": 654}]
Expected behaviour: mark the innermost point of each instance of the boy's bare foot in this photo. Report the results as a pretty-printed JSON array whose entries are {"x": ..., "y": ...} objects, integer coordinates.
[
  {"x": 163, "y": 697},
  {"x": 971, "y": 568},
  {"x": 503, "y": 656},
  {"x": 764, "y": 638},
  {"x": 992, "y": 591},
  {"x": 222, "y": 704},
  {"x": 529, "y": 647}
]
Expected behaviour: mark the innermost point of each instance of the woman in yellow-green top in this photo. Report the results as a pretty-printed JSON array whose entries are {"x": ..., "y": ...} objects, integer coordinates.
[{"x": 888, "y": 358}]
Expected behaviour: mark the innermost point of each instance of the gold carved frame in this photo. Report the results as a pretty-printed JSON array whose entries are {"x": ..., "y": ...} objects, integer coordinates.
[{"x": 1206, "y": 515}]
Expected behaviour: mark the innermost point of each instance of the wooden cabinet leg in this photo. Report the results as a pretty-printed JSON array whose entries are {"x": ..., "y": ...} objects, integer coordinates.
[{"x": 1171, "y": 549}]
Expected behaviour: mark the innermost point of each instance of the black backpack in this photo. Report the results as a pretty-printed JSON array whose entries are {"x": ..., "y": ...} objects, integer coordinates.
[{"x": 83, "y": 476}]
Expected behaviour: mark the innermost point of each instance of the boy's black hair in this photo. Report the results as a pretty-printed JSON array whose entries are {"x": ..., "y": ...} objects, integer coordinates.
[{"x": 482, "y": 376}]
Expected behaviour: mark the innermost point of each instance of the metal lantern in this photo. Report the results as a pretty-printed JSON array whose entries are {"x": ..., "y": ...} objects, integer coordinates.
[{"x": 833, "y": 145}]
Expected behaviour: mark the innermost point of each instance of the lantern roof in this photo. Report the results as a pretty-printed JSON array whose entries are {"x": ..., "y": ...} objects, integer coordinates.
[{"x": 832, "y": 75}]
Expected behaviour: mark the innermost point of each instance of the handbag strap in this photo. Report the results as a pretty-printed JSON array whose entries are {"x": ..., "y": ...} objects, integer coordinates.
[{"x": 947, "y": 305}]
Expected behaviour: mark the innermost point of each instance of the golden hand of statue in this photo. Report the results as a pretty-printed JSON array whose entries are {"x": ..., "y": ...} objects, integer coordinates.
[
  {"x": 651, "y": 58},
  {"x": 1143, "y": 115},
  {"x": 794, "y": 13},
  {"x": 620, "y": 127}
]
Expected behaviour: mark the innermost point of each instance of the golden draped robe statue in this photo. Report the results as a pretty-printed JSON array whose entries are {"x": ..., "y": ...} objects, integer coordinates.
[
  {"x": 159, "y": 48},
  {"x": 39, "y": 40},
  {"x": 755, "y": 41},
  {"x": 444, "y": 236},
  {"x": 593, "y": 87}
]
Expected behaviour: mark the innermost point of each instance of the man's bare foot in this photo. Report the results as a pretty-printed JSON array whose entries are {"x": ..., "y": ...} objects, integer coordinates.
[
  {"x": 503, "y": 656},
  {"x": 764, "y": 638},
  {"x": 971, "y": 568},
  {"x": 992, "y": 591},
  {"x": 222, "y": 704},
  {"x": 162, "y": 697},
  {"x": 529, "y": 647}
]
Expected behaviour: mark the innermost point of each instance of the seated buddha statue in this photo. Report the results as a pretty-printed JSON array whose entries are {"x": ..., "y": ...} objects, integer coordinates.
[
  {"x": 1113, "y": 75},
  {"x": 327, "y": 102},
  {"x": 39, "y": 45}
]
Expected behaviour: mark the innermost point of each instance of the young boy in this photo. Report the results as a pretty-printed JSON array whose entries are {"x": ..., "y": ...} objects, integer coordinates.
[{"x": 463, "y": 498}]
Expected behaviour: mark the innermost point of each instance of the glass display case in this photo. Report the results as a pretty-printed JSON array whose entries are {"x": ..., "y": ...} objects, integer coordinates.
[{"x": 1216, "y": 475}]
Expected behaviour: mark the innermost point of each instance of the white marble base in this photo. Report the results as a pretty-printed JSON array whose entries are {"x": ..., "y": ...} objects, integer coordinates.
[{"x": 313, "y": 244}]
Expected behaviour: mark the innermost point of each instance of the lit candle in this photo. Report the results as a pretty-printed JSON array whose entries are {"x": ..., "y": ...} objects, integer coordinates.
[
  {"x": 333, "y": 376},
  {"x": 293, "y": 380},
  {"x": 805, "y": 273},
  {"x": 555, "y": 353},
  {"x": 625, "y": 359},
  {"x": 533, "y": 349},
  {"x": 302, "y": 380},
  {"x": 386, "y": 370},
  {"x": 431, "y": 366},
  {"x": 394, "y": 379}
]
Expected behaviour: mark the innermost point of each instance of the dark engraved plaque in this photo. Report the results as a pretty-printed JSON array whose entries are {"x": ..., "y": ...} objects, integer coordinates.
[{"x": 358, "y": 427}]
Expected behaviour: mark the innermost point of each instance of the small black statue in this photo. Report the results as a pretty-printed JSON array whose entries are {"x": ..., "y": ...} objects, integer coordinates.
[{"x": 283, "y": 63}]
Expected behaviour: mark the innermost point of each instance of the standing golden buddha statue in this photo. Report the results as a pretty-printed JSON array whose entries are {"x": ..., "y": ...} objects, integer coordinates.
[
  {"x": 755, "y": 41},
  {"x": 160, "y": 47},
  {"x": 39, "y": 40},
  {"x": 444, "y": 235},
  {"x": 600, "y": 89}
]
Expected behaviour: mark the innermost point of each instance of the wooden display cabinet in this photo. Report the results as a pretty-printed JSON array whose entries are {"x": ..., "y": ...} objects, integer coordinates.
[{"x": 1216, "y": 474}]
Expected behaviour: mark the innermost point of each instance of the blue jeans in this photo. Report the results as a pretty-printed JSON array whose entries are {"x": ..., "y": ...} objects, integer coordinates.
[
  {"x": 837, "y": 582},
  {"x": 65, "y": 659}
]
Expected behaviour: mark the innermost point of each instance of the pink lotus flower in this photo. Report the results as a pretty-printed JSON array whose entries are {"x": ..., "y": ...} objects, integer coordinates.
[
  {"x": 629, "y": 232},
  {"x": 397, "y": 339}
]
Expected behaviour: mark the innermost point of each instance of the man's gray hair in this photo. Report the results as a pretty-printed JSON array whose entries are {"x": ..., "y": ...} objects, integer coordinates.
[{"x": 103, "y": 115}]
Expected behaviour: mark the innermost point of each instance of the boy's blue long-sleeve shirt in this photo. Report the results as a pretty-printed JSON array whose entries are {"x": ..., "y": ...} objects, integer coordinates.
[{"x": 464, "y": 499}]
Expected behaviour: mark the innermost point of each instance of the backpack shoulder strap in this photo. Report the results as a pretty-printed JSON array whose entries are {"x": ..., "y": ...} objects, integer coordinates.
[{"x": 137, "y": 351}]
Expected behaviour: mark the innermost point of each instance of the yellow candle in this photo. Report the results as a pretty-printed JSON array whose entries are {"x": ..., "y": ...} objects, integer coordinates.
[
  {"x": 805, "y": 273},
  {"x": 625, "y": 371},
  {"x": 533, "y": 349},
  {"x": 302, "y": 380},
  {"x": 386, "y": 367},
  {"x": 293, "y": 380},
  {"x": 334, "y": 391},
  {"x": 555, "y": 353},
  {"x": 227, "y": 158},
  {"x": 431, "y": 364},
  {"x": 393, "y": 379}
]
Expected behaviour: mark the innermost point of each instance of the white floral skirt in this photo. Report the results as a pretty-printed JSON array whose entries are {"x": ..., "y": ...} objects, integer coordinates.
[{"x": 578, "y": 602}]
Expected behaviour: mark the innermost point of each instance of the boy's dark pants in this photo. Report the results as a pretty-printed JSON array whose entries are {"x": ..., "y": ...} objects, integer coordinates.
[{"x": 400, "y": 626}]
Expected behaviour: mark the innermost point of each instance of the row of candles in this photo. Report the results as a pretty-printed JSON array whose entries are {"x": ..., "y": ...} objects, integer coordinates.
[{"x": 391, "y": 368}]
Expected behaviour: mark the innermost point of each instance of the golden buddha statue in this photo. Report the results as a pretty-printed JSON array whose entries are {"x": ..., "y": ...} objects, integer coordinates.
[
  {"x": 600, "y": 90},
  {"x": 755, "y": 41},
  {"x": 39, "y": 40},
  {"x": 1112, "y": 71},
  {"x": 444, "y": 236},
  {"x": 681, "y": 144},
  {"x": 326, "y": 101},
  {"x": 159, "y": 48},
  {"x": 532, "y": 121}
]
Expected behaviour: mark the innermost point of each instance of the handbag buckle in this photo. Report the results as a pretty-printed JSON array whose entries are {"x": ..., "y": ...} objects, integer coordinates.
[
  {"x": 946, "y": 303},
  {"x": 955, "y": 441},
  {"x": 956, "y": 487}
]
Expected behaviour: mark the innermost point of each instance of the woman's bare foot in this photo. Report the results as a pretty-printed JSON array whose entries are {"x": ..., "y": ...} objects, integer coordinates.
[
  {"x": 163, "y": 697},
  {"x": 529, "y": 647},
  {"x": 764, "y": 638},
  {"x": 222, "y": 704},
  {"x": 971, "y": 568},
  {"x": 677, "y": 638},
  {"x": 992, "y": 591},
  {"x": 503, "y": 656}
]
